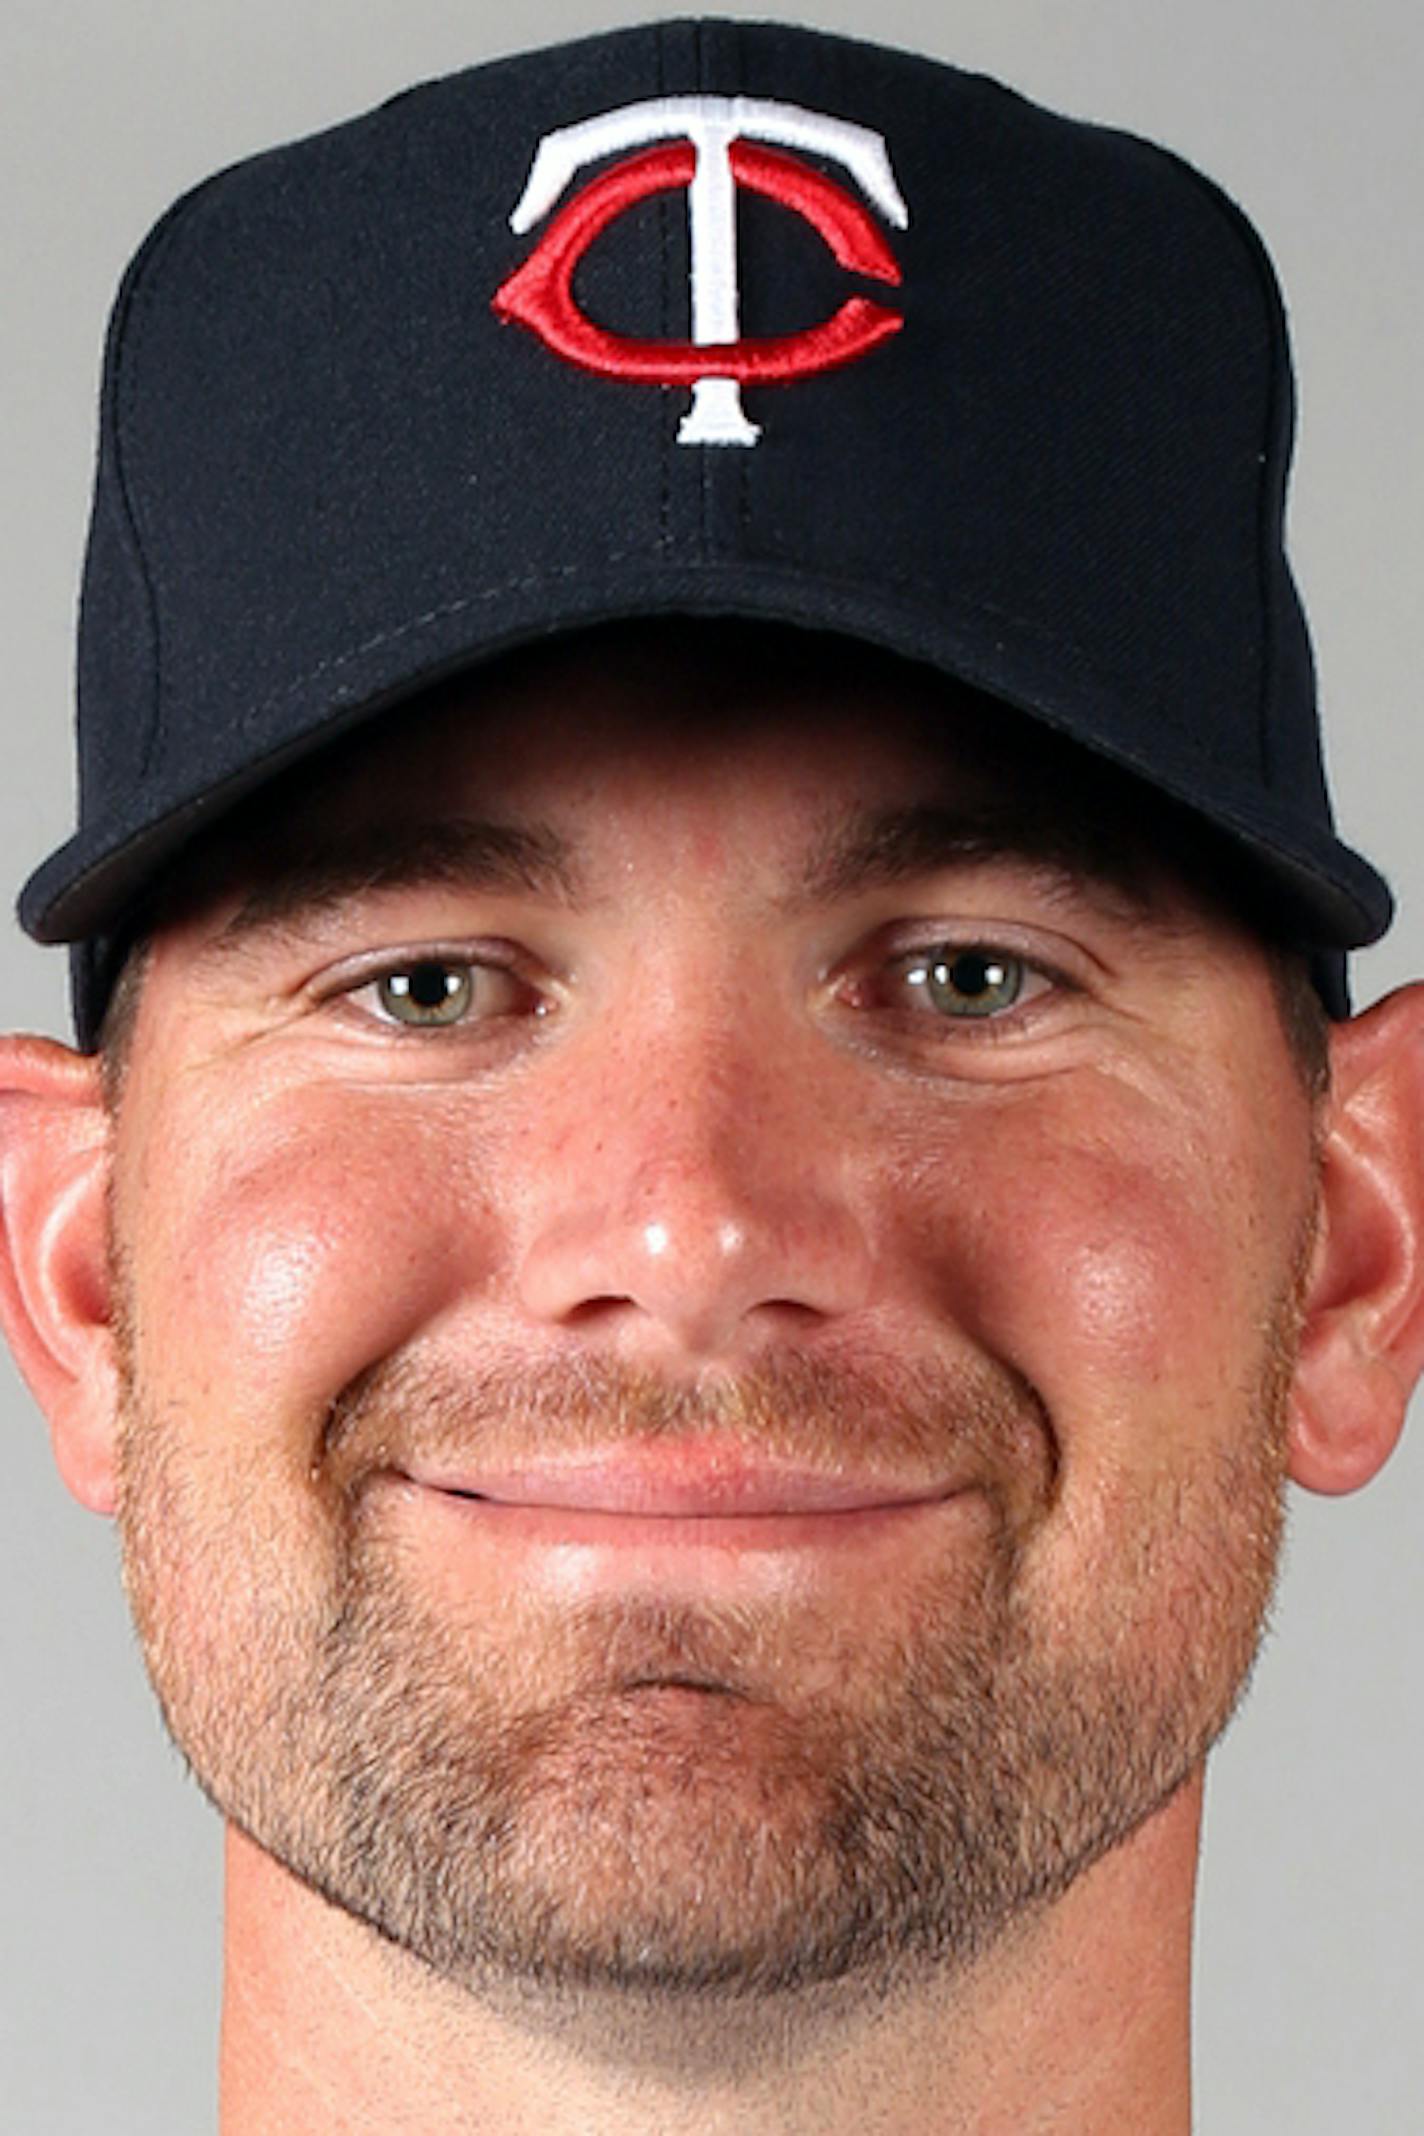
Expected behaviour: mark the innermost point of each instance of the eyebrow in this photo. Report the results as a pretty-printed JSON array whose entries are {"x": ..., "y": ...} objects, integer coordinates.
[
  {"x": 876, "y": 848},
  {"x": 460, "y": 853},
  {"x": 866, "y": 850}
]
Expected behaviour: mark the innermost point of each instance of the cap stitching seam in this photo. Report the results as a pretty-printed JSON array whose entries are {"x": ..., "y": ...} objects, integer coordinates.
[
  {"x": 142, "y": 296},
  {"x": 1249, "y": 243},
  {"x": 130, "y": 327},
  {"x": 706, "y": 541},
  {"x": 664, "y": 210}
]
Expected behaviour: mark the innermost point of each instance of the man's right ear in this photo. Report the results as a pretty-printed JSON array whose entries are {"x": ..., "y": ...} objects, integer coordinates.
[{"x": 54, "y": 1265}]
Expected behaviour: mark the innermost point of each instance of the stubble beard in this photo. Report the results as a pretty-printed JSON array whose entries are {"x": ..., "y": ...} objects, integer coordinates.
[{"x": 625, "y": 1796}]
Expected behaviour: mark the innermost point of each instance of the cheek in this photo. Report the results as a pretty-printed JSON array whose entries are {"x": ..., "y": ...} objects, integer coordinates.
[
  {"x": 1106, "y": 1262},
  {"x": 318, "y": 1240},
  {"x": 1112, "y": 1269}
]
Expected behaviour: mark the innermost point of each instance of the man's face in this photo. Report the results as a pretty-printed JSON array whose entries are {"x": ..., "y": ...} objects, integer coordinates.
[{"x": 707, "y": 1321}]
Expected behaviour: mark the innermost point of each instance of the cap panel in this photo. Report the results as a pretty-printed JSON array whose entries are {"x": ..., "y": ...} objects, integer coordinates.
[
  {"x": 328, "y": 437},
  {"x": 1009, "y": 457}
]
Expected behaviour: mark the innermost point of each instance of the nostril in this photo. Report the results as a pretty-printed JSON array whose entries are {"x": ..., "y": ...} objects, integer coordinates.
[
  {"x": 593, "y": 1309},
  {"x": 794, "y": 1309}
]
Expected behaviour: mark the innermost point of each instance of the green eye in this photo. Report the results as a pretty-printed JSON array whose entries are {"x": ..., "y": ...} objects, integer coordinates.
[
  {"x": 970, "y": 982},
  {"x": 427, "y": 993}
]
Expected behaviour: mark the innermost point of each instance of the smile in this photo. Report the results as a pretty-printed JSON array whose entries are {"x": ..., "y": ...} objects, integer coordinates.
[
  {"x": 690, "y": 1518},
  {"x": 689, "y": 1481}
]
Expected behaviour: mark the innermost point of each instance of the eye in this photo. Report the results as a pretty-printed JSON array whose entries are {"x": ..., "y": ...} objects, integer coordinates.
[
  {"x": 966, "y": 983},
  {"x": 973, "y": 982},
  {"x": 440, "y": 993},
  {"x": 428, "y": 993}
]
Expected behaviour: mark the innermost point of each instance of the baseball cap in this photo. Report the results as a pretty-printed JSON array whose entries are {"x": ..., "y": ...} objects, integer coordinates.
[{"x": 701, "y": 318}]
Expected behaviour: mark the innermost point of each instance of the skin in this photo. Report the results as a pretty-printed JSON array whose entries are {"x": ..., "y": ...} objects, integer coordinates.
[{"x": 1085, "y": 1280}]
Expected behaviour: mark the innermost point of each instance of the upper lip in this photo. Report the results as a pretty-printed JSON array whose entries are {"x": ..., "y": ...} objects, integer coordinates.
[{"x": 685, "y": 1481}]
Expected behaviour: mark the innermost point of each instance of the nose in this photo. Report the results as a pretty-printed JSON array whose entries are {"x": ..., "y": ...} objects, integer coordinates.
[{"x": 699, "y": 1203}]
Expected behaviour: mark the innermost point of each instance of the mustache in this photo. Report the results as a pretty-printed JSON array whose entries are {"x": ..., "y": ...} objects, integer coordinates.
[{"x": 906, "y": 1421}]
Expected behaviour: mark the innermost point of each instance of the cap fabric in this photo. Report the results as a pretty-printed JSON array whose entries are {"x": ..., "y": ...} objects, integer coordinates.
[{"x": 989, "y": 387}]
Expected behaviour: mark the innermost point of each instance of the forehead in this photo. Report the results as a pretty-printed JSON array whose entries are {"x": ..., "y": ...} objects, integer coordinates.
[
  {"x": 648, "y": 705},
  {"x": 761, "y": 728}
]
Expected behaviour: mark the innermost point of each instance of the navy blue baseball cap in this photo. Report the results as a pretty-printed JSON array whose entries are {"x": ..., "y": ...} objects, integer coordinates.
[{"x": 702, "y": 318}]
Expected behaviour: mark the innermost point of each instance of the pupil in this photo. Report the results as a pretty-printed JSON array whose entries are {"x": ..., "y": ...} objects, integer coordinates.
[
  {"x": 973, "y": 974},
  {"x": 431, "y": 986}
]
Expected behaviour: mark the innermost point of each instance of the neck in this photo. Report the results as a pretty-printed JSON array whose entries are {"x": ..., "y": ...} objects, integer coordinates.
[{"x": 1080, "y": 2025}]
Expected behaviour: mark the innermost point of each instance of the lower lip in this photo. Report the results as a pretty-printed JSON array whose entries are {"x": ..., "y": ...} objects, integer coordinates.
[{"x": 576, "y": 1550}]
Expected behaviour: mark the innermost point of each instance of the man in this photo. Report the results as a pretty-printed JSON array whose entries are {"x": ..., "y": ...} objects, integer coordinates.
[{"x": 702, "y": 1208}]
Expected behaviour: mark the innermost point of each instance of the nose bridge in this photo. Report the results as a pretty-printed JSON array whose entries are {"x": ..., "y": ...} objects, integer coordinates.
[{"x": 695, "y": 1185}]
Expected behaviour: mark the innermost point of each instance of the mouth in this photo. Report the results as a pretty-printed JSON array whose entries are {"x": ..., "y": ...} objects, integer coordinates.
[
  {"x": 703, "y": 1520},
  {"x": 700, "y": 1517},
  {"x": 681, "y": 1482}
]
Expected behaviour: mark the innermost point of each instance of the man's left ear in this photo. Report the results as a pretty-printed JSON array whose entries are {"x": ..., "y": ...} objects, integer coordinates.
[{"x": 1362, "y": 1339}]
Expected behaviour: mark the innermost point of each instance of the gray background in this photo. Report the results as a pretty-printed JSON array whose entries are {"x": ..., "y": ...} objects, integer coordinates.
[{"x": 1311, "y": 1997}]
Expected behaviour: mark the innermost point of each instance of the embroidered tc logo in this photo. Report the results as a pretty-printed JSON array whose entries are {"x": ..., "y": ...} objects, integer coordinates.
[{"x": 710, "y": 153}]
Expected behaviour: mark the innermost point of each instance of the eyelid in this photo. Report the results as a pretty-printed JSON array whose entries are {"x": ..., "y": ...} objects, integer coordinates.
[
  {"x": 1060, "y": 957},
  {"x": 950, "y": 947},
  {"x": 349, "y": 974}
]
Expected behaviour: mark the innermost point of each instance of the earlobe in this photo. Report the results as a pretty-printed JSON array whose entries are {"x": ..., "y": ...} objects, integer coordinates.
[
  {"x": 1362, "y": 1337},
  {"x": 54, "y": 1283}
]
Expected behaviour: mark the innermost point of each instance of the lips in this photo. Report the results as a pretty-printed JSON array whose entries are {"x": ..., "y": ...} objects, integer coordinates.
[
  {"x": 701, "y": 1520},
  {"x": 682, "y": 1482}
]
